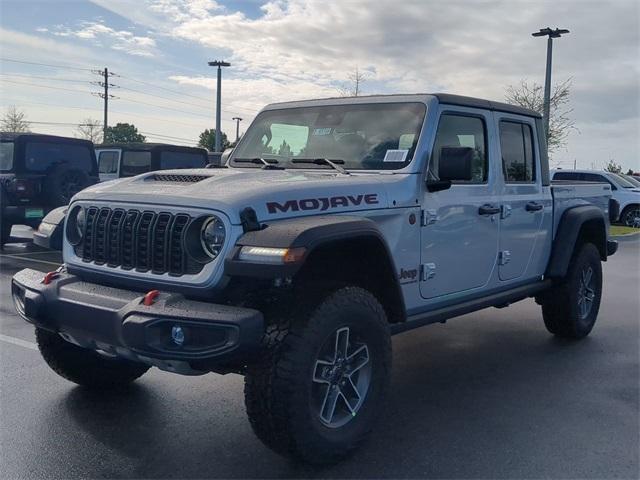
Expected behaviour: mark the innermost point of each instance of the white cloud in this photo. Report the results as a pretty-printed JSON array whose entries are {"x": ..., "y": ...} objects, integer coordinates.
[{"x": 122, "y": 40}]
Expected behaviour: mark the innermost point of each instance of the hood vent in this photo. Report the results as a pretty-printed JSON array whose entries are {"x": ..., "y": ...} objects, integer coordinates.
[{"x": 176, "y": 178}]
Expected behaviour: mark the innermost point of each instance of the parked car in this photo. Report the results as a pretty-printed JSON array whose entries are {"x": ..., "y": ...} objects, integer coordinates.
[
  {"x": 625, "y": 193},
  {"x": 39, "y": 173},
  {"x": 635, "y": 181},
  {"x": 120, "y": 160},
  {"x": 338, "y": 223}
]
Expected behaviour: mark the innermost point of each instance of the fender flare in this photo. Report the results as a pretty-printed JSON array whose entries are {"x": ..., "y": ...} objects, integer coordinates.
[{"x": 565, "y": 240}]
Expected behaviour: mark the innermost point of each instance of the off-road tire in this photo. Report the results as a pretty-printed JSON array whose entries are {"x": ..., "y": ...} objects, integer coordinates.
[
  {"x": 278, "y": 386},
  {"x": 561, "y": 308},
  {"x": 86, "y": 367},
  {"x": 62, "y": 183}
]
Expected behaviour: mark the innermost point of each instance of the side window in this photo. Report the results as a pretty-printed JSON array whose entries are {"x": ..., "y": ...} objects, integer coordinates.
[
  {"x": 44, "y": 156},
  {"x": 594, "y": 177},
  {"x": 566, "y": 176},
  {"x": 516, "y": 144},
  {"x": 135, "y": 163},
  {"x": 108, "y": 162},
  {"x": 461, "y": 131}
]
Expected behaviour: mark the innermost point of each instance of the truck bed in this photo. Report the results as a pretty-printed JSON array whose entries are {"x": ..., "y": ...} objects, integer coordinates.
[{"x": 567, "y": 194}]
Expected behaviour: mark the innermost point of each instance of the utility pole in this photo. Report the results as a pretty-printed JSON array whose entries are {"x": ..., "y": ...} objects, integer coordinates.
[
  {"x": 557, "y": 33},
  {"x": 105, "y": 95},
  {"x": 219, "y": 64},
  {"x": 238, "y": 120}
]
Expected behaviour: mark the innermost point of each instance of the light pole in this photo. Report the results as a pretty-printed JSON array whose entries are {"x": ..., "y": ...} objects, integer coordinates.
[
  {"x": 557, "y": 33},
  {"x": 219, "y": 64},
  {"x": 238, "y": 120}
]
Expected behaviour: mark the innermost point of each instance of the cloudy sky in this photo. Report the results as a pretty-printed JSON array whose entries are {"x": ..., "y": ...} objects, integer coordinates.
[{"x": 293, "y": 49}]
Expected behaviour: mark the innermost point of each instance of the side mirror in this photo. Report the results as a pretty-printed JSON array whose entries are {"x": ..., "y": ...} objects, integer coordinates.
[{"x": 456, "y": 164}]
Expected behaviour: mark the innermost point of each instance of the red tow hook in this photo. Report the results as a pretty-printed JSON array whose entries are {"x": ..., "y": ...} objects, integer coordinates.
[
  {"x": 150, "y": 297},
  {"x": 49, "y": 277}
]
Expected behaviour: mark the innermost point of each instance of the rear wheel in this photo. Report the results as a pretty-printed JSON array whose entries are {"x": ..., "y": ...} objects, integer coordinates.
[
  {"x": 318, "y": 389},
  {"x": 631, "y": 216},
  {"x": 570, "y": 309},
  {"x": 86, "y": 367}
]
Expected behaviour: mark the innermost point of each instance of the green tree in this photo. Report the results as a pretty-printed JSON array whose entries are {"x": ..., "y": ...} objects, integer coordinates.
[
  {"x": 123, "y": 133},
  {"x": 285, "y": 149},
  {"x": 630, "y": 172},
  {"x": 208, "y": 140},
  {"x": 613, "y": 167}
]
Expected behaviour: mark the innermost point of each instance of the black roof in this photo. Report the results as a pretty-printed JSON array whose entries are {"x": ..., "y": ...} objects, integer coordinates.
[
  {"x": 13, "y": 136},
  {"x": 151, "y": 146},
  {"x": 462, "y": 101}
]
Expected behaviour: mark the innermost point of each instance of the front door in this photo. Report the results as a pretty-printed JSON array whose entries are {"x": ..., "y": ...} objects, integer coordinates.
[
  {"x": 523, "y": 203},
  {"x": 460, "y": 228}
]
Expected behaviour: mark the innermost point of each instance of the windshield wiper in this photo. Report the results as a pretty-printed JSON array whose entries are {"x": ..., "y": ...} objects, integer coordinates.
[
  {"x": 323, "y": 161},
  {"x": 270, "y": 164}
]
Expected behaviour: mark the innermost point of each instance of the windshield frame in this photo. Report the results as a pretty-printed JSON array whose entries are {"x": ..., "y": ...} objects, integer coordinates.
[{"x": 289, "y": 165}]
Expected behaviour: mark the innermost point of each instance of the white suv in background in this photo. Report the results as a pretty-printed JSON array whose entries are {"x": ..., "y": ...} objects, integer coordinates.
[{"x": 623, "y": 191}]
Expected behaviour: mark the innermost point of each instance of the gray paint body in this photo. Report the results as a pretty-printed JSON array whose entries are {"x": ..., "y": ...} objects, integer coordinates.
[{"x": 460, "y": 251}]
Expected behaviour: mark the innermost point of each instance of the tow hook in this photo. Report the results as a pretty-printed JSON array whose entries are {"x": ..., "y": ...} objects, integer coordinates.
[
  {"x": 150, "y": 298},
  {"x": 49, "y": 277}
]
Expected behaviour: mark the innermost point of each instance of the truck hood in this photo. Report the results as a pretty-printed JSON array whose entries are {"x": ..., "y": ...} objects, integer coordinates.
[{"x": 272, "y": 194}]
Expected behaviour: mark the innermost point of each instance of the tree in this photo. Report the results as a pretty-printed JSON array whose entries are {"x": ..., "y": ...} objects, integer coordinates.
[
  {"x": 353, "y": 86},
  {"x": 613, "y": 167},
  {"x": 630, "y": 172},
  {"x": 14, "y": 121},
  {"x": 531, "y": 95},
  {"x": 90, "y": 129},
  {"x": 123, "y": 133},
  {"x": 208, "y": 140}
]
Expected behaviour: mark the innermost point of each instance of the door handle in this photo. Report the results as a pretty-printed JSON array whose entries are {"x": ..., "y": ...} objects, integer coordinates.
[
  {"x": 533, "y": 207},
  {"x": 488, "y": 210}
]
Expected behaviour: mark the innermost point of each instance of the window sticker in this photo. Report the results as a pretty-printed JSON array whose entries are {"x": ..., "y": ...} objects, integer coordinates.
[
  {"x": 395, "y": 156},
  {"x": 322, "y": 131}
]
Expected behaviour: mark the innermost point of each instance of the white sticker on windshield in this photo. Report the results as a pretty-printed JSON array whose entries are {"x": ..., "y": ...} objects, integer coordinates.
[
  {"x": 322, "y": 131},
  {"x": 395, "y": 156}
]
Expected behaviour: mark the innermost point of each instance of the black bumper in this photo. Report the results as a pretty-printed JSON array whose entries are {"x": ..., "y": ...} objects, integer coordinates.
[{"x": 116, "y": 321}]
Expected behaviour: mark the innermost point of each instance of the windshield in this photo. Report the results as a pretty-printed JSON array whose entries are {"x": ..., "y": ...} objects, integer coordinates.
[
  {"x": 632, "y": 180},
  {"x": 6, "y": 156},
  {"x": 621, "y": 181},
  {"x": 358, "y": 137}
]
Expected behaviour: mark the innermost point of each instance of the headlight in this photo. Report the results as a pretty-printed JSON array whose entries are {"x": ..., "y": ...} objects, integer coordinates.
[
  {"x": 212, "y": 236},
  {"x": 76, "y": 223},
  {"x": 81, "y": 221}
]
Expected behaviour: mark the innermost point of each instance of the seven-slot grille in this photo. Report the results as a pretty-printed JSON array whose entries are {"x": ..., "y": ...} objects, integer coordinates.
[{"x": 134, "y": 239}]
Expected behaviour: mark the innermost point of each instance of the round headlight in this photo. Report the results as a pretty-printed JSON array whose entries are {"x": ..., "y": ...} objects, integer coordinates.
[
  {"x": 81, "y": 221},
  {"x": 212, "y": 236}
]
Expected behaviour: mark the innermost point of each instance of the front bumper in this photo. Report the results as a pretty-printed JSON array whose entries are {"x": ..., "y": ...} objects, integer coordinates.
[{"x": 116, "y": 321}]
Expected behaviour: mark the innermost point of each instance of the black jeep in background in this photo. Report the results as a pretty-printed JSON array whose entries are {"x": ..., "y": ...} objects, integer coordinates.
[{"x": 39, "y": 173}]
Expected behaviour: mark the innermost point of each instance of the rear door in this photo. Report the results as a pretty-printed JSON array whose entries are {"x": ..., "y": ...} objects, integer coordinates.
[
  {"x": 524, "y": 203},
  {"x": 459, "y": 232}
]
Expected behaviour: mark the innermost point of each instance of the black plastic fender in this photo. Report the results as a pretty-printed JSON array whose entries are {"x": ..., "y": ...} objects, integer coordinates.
[{"x": 569, "y": 228}]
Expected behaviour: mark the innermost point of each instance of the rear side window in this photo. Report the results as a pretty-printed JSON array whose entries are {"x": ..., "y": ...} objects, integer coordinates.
[
  {"x": 181, "y": 160},
  {"x": 135, "y": 163},
  {"x": 45, "y": 156},
  {"x": 461, "y": 131},
  {"x": 108, "y": 162},
  {"x": 566, "y": 176},
  {"x": 516, "y": 143},
  {"x": 6, "y": 156}
]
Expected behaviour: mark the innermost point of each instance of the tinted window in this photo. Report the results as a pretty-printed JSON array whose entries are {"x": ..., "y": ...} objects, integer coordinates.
[
  {"x": 461, "y": 131},
  {"x": 43, "y": 156},
  {"x": 182, "y": 160},
  {"x": 6, "y": 156},
  {"x": 566, "y": 176},
  {"x": 516, "y": 143},
  {"x": 108, "y": 162},
  {"x": 135, "y": 163}
]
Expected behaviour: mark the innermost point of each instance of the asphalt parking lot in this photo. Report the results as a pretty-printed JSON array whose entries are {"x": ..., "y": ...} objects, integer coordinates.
[{"x": 488, "y": 395}]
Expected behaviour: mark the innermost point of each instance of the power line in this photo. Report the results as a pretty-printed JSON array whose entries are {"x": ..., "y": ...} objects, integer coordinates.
[
  {"x": 45, "y": 86},
  {"x": 164, "y": 98},
  {"x": 166, "y": 89},
  {"x": 165, "y": 108},
  {"x": 44, "y": 64},
  {"x": 44, "y": 78}
]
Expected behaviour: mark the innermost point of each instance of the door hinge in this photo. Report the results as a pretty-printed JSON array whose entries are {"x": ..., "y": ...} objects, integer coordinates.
[
  {"x": 504, "y": 257},
  {"x": 428, "y": 217},
  {"x": 505, "y": 211},
  {"x": 427, "y": 271}
]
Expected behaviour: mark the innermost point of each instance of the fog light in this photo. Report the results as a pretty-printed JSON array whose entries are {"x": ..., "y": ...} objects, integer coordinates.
[{"x": 177, "y": 335}]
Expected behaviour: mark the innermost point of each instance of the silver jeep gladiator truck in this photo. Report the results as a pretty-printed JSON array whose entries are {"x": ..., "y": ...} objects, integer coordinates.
[{"x": 338, "y": 223}]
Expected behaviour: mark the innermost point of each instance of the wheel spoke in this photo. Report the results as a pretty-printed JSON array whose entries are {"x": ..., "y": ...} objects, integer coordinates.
[
  {"x": 586, "y": 277},
  {"x": 319, "y": 370},
  {"x": 342, "y": 343},
  {"x": 350, "y": 395},
  {"x": 358, "y": 359},
  {"x": 329, "y": 404}
]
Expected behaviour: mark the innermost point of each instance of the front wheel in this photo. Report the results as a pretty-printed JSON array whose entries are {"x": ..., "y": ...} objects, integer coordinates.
[
  {"x": 571, "y": 308},
  {"x": 319, "y": 388},
  {"x": 86, "y": 367},
  {"x": 630, "y": 217}
]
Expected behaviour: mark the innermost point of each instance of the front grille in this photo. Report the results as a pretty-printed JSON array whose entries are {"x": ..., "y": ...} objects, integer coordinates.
[
  {"x": 177, "y": 178},
  {"x": 141, "y": 240}
]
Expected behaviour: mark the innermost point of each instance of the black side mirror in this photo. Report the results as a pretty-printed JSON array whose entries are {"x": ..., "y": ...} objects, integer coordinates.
[{"x": 456, "y": 164}]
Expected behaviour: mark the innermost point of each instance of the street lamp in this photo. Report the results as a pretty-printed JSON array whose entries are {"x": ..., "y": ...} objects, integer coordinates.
[
  {"x": 557, "y": 33},
  {"x": 238, "y": 120},
  {"x": 219, "y": 64}
]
